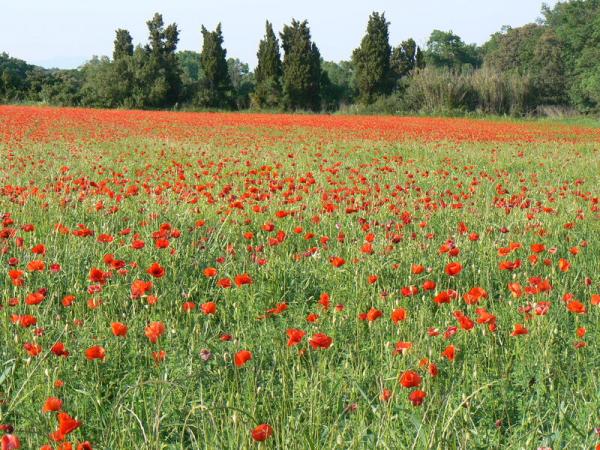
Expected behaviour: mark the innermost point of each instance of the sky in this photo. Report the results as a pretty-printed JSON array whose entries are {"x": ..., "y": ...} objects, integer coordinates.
[{"x": 66, "y": 33}]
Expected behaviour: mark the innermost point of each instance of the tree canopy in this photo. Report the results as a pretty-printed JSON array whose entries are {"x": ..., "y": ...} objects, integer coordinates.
[
  {"x": 301, "y": 68},
  {"x": 215, "y": 84},
  {"x": 553, "y": 62},
  {"x": 372, "y": 60}
]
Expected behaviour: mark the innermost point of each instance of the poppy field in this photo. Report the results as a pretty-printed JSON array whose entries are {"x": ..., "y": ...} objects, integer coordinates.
[{"x": 197, "y": 280}]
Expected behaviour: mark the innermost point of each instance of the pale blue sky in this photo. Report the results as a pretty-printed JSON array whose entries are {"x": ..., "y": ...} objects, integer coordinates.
[{"x": 65, "y": 33}]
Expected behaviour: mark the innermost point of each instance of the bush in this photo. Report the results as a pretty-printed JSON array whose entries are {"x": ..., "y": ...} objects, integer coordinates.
[
  {"x": 445, "y": 91},
  {"x": 390, "y": 105},
  {"x": 435, "y": 91},
  {"x": 502, "y": 93}
]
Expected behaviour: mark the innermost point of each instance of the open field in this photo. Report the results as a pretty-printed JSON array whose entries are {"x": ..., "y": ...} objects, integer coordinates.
[{"x": 174, "y": 280}]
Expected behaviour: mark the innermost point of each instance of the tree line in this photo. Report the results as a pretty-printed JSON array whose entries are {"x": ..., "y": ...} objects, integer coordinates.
[{"x": 554, "y": 63}]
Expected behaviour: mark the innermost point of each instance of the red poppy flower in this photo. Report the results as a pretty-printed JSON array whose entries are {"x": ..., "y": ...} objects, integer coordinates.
[
  {"x": 32, "y": 349},
  {"x": 474, "y": 295},
  {"x": 402, "y": 347},
  {"x": 138, "y": 245},
  {"x": 510, "y": 265},
  {"x": 34, "y": 299},
  {"x": 538, "y": 248},
  {"x": 59, "y": 349},
  {"x": 156, "y": 270},
  {"x": 210, "y": 272},
  {"x": 98, "y": 276},
  {"x": 159, "y": 356},
  {"x": 519, "y": 330},
  {"x": 242, "y": 279},
  {"x": 154, "y": 331},
  {"x": 36, "y": 266},
  {"x": 485, "y": 316},
  {"x": 410, "y": 378},
  {"x": 417, "y": 397},
  {"x": 320, "y": 340},
  {"x": 119, "y": 329},
  {"x": 429, "y": 285},
  {"x": 224, "y": 283},
  {"x": 409, "y": 291},
  {"x": 262, "y": 432},
  {"x": 162, "y": 243},
  {"x": 445, "y": 296},
  {"x": 453, "y": 268},
  {"x": 324, "y": 300},
  {"x": 140, "y": 288},
  {"x": 66, "y": 424},
  {"x": 417, "y": 269},
  {"x": 385, "y": 395},
  {"x": 242, "y": 357},
  {"x": 188, "y": 306},
  {"x": 312, "y": 317},
  {"x": 280, "y": 308},
  {"x": 105, "y": 238},
  {"x": 465, "y": 322},
  {"x": 10, "y": 442},
  {"x": 367, "y": 248},
  {"x": 209, "y": 308},
  {"x": 52, "y": 404},
  {"x": 449, "y": 352},
  {"x": 576, "y": 307},
  {"x": 564, "y": 265},
  {"x": 515, "y": 289},
  {"x": 433, "y": 370},
  {"x": 24, "y": 321},
  {"x": 95, "y": 352},
  {"x": 336, "y": 261},
  {"x": 295, "y": 336},
  {"x": 39, "y": 249},
  {"x": 374, "y": 314},
  {"x": 398, "y": 315}
]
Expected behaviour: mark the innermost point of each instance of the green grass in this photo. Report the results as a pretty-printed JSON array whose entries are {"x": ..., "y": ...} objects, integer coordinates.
[{"x": 501, "y": 392}]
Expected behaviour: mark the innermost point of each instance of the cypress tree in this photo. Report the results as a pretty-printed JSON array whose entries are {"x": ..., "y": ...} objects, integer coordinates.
[
  {"x": 215, "y": 85},
  {"x": 372, "y": 60},
  {"x": 158, "y": 75},
  {"x": 301, "y": 68},
  {"x": 121, "y": 73},
  {"x": 123, "y": 44},
  {"x": 171, "y": 64},
  {"x": 268, "y": 71}
]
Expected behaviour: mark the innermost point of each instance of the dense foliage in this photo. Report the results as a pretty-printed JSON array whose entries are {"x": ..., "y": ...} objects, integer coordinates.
[
  {"x": 372, "y": 60},
  {"x": 549, "y": 65},
  {"x": 268, "y": 71},
  {"x": 301, "y": 68},
  {"x": 215, "y": 86}
]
